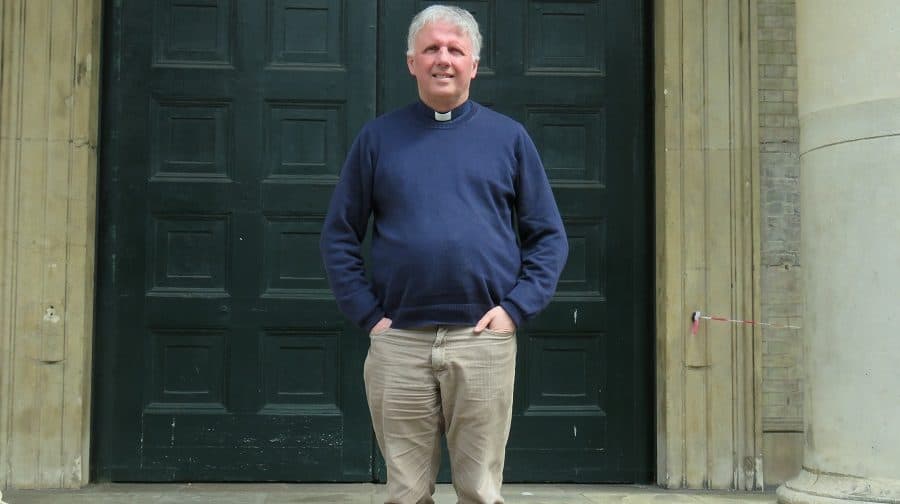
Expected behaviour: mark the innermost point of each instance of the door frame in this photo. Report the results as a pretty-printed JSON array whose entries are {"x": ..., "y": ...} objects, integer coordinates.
[{"x": 707, "y": 241}]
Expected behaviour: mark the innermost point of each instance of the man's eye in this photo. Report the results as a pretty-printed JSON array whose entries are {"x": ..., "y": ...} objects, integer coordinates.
[{"x": 457, "y": 52}]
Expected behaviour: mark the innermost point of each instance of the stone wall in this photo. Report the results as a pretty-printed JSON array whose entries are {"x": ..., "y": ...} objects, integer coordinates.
[{"x": 782, "y": 408}]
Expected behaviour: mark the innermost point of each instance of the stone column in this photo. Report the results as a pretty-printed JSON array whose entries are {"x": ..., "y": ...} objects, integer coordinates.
[{"x": 849, "y": 91}]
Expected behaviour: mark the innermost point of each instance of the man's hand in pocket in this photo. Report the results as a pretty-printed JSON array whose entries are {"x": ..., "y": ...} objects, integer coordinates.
[
  {"x": 383, "y": 325},
  {"x": 497, "y": 320}
]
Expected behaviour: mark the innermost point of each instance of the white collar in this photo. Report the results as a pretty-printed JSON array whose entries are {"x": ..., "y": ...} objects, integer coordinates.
[{"x": 443, "y": 116}]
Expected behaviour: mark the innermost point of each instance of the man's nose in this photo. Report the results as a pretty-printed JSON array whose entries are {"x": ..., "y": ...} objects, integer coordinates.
[{"x": 443, "y": 55}]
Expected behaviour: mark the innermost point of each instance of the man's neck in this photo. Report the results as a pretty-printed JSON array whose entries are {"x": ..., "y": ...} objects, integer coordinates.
[{"x": 444, "y": 107}]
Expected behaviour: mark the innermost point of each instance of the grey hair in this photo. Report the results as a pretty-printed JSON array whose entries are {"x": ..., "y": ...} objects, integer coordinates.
[{"x": 456, "y": 16}]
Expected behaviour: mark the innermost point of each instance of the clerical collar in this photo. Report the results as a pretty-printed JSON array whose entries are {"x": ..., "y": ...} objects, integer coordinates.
[{"x": 444, "y": 117}]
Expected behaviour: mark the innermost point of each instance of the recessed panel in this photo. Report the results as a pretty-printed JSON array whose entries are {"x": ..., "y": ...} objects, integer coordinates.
[
  {"x": 190, "y": 253},
  {"x": 483, "y": 12},
  {"x": 306, "y": 32},
  {"x": 585, "y": 270},
  {"x": 571, "y": 142},
  {"x": 188, "y": 367},
  {"x": 292, "y": 264},
  {"x": 565, "y": 37},
  {"x": 190, "y": 140},
  {"x": 305, "y": 140},
  {"x": 193, "y": 32},
  {"x": 565, "y": 372},
  {"x": 300, "y": 370}
]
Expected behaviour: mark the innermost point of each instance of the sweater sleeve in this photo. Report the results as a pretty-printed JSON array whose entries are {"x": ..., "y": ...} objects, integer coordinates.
[
  {"x": 342, "y": 236},
  {"x": 543, "y": 242}
]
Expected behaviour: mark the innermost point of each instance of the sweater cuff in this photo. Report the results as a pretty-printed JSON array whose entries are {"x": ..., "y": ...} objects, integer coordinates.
[{"x": 514, "y": 313}]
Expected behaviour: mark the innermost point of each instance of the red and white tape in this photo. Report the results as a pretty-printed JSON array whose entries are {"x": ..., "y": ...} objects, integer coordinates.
[{"x": 697, "y": 316}]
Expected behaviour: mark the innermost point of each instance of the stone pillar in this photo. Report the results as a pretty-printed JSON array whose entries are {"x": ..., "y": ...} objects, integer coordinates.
[
  {"x": 707, "y": 244},
  {"x": 49, "y": 112},
  {"x": 849, "y": 90}
]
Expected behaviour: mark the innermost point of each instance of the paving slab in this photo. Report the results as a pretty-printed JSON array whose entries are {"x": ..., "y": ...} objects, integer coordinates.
[{"x": 278, "y": 493}]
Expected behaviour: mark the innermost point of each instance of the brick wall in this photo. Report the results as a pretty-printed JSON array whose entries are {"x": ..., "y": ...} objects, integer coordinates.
[{"x": 781, "y": 261}]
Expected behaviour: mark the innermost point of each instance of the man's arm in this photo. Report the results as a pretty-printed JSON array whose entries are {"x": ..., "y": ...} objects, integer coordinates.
[
  {"x": 342, "y": 236},
  {"x": 544, "y": 246}
]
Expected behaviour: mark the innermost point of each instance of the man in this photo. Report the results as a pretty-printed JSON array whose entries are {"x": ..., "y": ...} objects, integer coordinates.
[{"x": 467, "y": 245}]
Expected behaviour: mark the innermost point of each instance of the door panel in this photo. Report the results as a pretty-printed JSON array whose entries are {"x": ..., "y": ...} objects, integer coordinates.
[
  {"x": 572, "y": 73},
  {"x": 229, "y": 121}
]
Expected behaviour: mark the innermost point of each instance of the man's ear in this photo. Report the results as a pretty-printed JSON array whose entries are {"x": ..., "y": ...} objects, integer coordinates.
[
  {"x": 475, "y": 68},
  {"x": 409, "y": 64}
]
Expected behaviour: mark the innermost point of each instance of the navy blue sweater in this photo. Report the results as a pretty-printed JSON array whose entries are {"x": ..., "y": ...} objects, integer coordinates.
[{"x": 447, "y": 198}]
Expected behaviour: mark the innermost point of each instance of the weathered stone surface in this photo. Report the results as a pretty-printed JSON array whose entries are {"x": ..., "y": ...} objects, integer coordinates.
[
  {"x": 707, "y": 244},
  {"x": 48, "y": 122}
]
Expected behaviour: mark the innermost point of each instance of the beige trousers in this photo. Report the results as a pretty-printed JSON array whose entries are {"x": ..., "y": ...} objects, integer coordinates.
[{"x": 422, "y": 383}]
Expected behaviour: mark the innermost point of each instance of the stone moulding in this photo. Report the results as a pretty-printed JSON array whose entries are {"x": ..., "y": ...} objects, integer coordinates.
[
  {"x": 709, "y": 422},
  {"x": 49, "y": 114}
]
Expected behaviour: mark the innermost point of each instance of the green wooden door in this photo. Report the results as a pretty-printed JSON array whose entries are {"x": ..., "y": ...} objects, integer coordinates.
[
  {"x": 573, "y": 73},
  {"x": 222, "y": 353}
]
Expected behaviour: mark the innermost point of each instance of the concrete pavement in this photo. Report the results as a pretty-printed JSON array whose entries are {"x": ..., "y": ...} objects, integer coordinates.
[{"x": 277, "y": 493}]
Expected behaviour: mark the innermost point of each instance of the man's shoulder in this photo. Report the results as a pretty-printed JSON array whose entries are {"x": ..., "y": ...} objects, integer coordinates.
[
  {"x": 385, "y": 127},
  {"x": 400, "y": 116},
  {"x": 489, "y": 114},
  {"x": 500, "y": 125}
]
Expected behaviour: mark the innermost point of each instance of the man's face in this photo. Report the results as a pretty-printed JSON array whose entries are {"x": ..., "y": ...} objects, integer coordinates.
[{"x": 443, "y": 65}]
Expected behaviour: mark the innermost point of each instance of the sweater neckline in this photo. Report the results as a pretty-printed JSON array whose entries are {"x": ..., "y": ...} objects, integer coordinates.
[{"x": 431, "y": 116}]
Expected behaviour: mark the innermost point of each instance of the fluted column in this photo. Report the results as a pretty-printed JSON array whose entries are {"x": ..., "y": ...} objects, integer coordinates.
[{"x": 849, "y": 98}]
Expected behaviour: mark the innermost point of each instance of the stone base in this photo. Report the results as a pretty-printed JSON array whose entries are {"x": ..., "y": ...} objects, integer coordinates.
[{"x": 822, "y": 488}]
